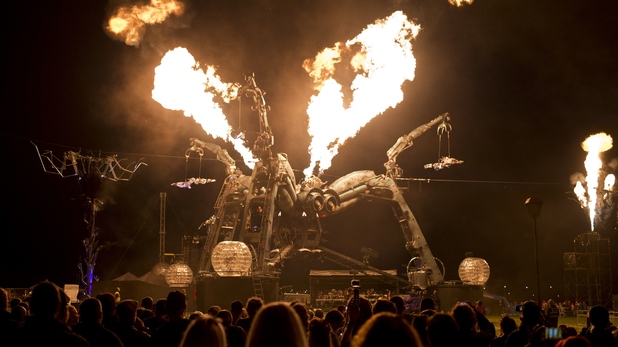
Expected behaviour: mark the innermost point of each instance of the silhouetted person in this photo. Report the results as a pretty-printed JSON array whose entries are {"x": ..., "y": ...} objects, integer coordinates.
[
  {"x": 318, "y": 334},
  {"x": 235, "y": 335},
  {"x": 507, "y": 326},
  {"x": 531, "y": 319},
  {"x": 254, "y": 304},
  {"x": 128, "y": 333},
  {"x": 276, "y": 325},
  {"x": 442, "y": 330},
  {"x": 204, "y": 331},
  {"x": 303, "y": 313},
  {"x": 336, "y": 319},
  {"x": 18, "y": 314},
  {"x": 428, "y": 307},
  {"x": 419, "y": 323},
  {"x": 386, "y": 329},
  {"x": 599, "y": 333},
  {"x": 170, "y": 333},
  {"x": 7, "y": 322},
  {"x": 90, "y": 327},
  {"x": 42, "y": 328},
  {"x": 146, "y": 309},
  {"x": 399, "y": 304},
  {"x": 467, "y": 319},
  {"x": 108, "y": 302},
  {"x": 213, "y": 310},
  {"x": 383, "y": 306},
  {"x": 155, "y": 322},
  {"x": 236, "y": 308},
  {"x": 552, "y": 314}
]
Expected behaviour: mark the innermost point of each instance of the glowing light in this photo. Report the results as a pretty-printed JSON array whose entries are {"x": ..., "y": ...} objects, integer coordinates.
[
  {"x": 474, "y": 270},
  {"x": 594, "y": 145},
  {"x": 231, "y": 259},
  {"x": 129, "y": 23},
  {"x": 460, "y": 3},
  {"x": 382, "y": 60},
  {"x": 180, "y": 84},
  {"x": 179, "y": 275}
]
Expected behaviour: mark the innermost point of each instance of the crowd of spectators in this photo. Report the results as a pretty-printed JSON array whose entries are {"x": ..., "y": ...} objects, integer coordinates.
[{"x": 47, "y": 318}]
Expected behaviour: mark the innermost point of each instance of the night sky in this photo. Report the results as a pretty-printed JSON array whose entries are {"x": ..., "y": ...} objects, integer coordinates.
[{"x": 525, "y": 82}]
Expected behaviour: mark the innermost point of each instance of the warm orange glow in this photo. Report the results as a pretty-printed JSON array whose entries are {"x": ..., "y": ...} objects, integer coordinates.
[
  {"x": 460, "y": 3},
  {"x": 594, "y": 145},
  {"x": 382, "y": 59},
  {"x": 129, "y": 23},
  {"x": 180, "y": 84}
]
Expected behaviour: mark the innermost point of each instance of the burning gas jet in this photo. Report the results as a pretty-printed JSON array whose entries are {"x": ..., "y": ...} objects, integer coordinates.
[
  {"x": 590, "y": 197},
  {"x": 129, "y": 23},
  {"x": 381, "y": 57},
  {"x": 460, "y": 3},
  {"x": 180, "y": 84}
]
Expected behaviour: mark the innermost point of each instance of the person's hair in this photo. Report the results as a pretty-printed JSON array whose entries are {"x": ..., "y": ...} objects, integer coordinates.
[
  {"x": 90, "y": 310},
  {"x": 400, "y": 304},
  {"x": 159, "y": 307},
  {"x": 334, "y": 316},
  {"x": 507, "y": 325},
  {"x": 226, "y": 317},
  {"x": 386, "y": 329},
  {"x": 318, "y": 332},
  {"x": 108, "y": 302},
  {"x": 574, "y": 341},
  {"x": 45, "y": 299},
  {"x": 302, "y": 312},
  {"x": 147, "y": 302},
  {"x": 383, "y": 306},
  {"x": 204, "y": 331},
  {"x": 276, "y": 325},
  {"x": 236, "y": 306},
  {"x": 427, "y": 304},
  {"x": 465, "y": 316},
  {"x": 599, "y": 317},
  {"x": 442, "y": 330},
  {"x": 253, "y": 305},
  {"x": 126, "y": 311},
  {"x": 176, "y": 302},
  {"x": 531, "y": 313},
  {"x": 213, "y": 310}
]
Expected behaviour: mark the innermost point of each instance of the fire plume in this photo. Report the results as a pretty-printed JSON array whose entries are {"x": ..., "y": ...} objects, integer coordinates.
[
  {"x": 588, "y": 195},
  {"x": 180, "y": 84},
  {"x": 382, "y": 60},
  {"x": 460, "y": 3},
  {"x": 129, "y": 23}
]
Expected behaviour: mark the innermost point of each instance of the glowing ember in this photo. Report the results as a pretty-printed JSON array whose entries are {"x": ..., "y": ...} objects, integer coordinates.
[
  {"x": 129, "y": 23},
  {"x": 382, "y": 59},
  {"x": 594, "y": 145},
  {"x": 460, "y": 3},
  {"x": 181, "y": 85}
]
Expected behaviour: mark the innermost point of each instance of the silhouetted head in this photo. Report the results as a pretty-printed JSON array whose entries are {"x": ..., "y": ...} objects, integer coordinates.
[
  {"x": 90, "y": 311},
  {"x": 386, "y": 329},
  {"x": 45, "y": 300},
  {"x": 599, "y": 317}
]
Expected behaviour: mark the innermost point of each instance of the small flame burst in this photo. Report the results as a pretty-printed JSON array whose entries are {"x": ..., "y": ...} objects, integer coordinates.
[
  {"x": 129, "y": 23},
  {"x": 460, "y": 3},
  {"x": 382, "y": 59},
  {"x": 588, "y": 195},
  {"x": 180, "y": 84}
]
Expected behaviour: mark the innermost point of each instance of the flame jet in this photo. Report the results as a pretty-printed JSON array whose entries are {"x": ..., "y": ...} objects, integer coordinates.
[{"x": 278, "y": 218}]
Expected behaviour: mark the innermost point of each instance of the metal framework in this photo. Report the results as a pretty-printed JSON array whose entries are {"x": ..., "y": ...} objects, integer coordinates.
[{"x": 587, "y": 270}]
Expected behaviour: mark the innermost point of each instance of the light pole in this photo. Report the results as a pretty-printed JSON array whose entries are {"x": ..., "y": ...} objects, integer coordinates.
[{"x": 534, "y": 210}]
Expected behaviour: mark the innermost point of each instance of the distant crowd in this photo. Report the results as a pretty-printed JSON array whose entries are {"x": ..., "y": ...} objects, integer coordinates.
[{"x": 47, "y": 318}]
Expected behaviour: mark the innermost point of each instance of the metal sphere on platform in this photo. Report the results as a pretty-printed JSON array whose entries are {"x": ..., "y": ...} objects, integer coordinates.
[
  {"x": 179, "y": 275},
  {"x": 231, "y": 259},
  {"x": 474, "y": 270},
  {"x": 160, "y": 269}
]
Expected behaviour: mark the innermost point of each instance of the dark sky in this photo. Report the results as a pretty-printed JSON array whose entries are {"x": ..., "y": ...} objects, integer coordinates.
[{"x": 525, "y": 83}]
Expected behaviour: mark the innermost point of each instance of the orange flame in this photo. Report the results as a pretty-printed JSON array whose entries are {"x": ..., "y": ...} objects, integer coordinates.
[
  {"x": 129, "y": 23},
  {"x": 180, "y": 84},
  {"x": 460, "y": 3},
  {"x": 594, "y": 145},
  {"x": 382, "y": 60}
]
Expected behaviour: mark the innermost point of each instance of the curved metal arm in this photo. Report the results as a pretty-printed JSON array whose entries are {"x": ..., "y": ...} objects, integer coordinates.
[{"x": 405, "y": 142}]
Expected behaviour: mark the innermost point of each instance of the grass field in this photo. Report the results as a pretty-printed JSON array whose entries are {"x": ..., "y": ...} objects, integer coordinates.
[{"x": 572, "y": 321}]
